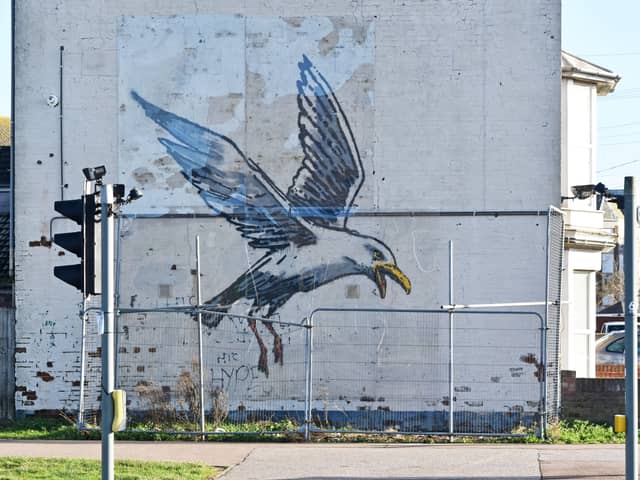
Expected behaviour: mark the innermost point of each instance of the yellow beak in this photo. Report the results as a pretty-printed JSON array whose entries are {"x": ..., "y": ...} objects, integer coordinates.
[{"x": 390, "y": 269}]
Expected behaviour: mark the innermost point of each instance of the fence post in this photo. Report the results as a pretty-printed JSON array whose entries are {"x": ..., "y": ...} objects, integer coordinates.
[
  {"x": 200, "y": 356},
  {"x": 83, "y": 370},
  {"x": 451, "y": 390},
  {"x": 308, "y": 378}
]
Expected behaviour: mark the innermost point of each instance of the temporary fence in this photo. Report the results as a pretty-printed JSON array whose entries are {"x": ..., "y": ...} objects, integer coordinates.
[
  {"x": 364, "y": 370},
  {"x": 553, "y": 301}
]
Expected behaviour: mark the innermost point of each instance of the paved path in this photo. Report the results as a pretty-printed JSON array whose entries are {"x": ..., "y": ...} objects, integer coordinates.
[{"x": 291, "y": 461}]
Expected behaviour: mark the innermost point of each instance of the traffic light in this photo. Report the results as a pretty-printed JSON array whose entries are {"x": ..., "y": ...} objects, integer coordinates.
[{"x": 85, "y": 243}]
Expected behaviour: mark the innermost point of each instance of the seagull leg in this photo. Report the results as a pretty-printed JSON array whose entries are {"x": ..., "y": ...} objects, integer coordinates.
[
  {"x": 262, "y": 362},
  {"x": 277, "y": 343}
]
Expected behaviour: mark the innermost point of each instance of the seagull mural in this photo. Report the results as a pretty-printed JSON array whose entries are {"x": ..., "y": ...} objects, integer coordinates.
[{"x": 300, "y": 230}]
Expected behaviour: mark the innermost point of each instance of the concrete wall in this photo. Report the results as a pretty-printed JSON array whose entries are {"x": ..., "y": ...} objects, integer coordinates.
[{"x": 453, "y": 105}]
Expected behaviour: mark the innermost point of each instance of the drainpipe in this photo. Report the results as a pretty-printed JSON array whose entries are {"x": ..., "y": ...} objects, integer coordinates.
[
  {"x": 62, "y": 184},
  {"x": 12, "y": 154}
]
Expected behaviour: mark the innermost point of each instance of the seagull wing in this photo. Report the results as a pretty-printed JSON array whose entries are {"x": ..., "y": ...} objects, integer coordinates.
[
  {"x": 327, "y": 183},
  {"x": 230, "y": 184}
]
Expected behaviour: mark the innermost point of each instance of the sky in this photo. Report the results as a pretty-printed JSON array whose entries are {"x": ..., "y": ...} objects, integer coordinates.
[{"x": 605, "y": 33}]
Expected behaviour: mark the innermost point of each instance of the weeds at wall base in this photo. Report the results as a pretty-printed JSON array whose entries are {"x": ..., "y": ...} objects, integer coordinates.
[{"x": 64, "y": 428}]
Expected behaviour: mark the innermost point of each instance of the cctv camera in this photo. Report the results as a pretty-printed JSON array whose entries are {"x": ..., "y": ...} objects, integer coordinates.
[
  {"x": 52, "y": 101},
  {"x": 582, "y": 192}
]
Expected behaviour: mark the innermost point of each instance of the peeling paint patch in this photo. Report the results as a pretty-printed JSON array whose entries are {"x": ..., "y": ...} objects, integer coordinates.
[
  {"x": 30, "y": 395},
  {"x": 295, "y": 22},
  {"x": 43, "y": 242},
  {"x": 352, "y": 291},
  {"x": 495, "y": 379},
  {"x": 515, "y": 408},
  {"x": 45, "y": 376},
  {"x": 164, "y": 163},
  {"x": 222, "y": 109},
  {"x": 516, "y": 371},
  {"x": 531, "y": 359},
  {"x": 462, "y": 389},
  {"x": 474, "y": 403},
  {"x": 176, "y": 180},
  {"x": 328, "y": 43}
]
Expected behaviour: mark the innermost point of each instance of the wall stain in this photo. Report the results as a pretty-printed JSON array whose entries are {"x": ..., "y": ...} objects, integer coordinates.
[
  {"x": 143, "y": 176},
  {"x": 531, "y": 359}
]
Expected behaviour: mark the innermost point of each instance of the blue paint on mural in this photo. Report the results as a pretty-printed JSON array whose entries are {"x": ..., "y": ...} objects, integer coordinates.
[{"x": 296, "y": 229}]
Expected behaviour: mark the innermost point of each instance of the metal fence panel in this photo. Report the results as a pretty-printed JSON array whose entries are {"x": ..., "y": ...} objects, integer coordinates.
[
  {"x": 555, "y": 252},
  {"x": 377, "y": 371},
  {"x": 158, "y": 366},
  {"x": 389, "y": 371}
]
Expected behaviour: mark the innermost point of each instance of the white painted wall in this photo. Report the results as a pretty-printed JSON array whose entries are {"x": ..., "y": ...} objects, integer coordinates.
[
  {"x": 465, "y": 116},
  {"x": 579, "y": 160}
]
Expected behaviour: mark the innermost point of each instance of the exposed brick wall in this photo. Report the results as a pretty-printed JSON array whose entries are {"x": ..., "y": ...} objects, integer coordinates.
[
  {"x": 610, "y": 371},
  {"x": 593, "y": 399}
]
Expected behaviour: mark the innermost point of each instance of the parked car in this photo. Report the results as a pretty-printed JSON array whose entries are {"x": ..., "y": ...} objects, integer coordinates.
[
  {"x": 608, "y": 327},
  {"x": 610, "y": 349}
]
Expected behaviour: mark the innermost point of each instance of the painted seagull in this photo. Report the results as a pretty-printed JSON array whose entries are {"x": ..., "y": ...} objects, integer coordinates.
[{"x": 301, "y": 230}]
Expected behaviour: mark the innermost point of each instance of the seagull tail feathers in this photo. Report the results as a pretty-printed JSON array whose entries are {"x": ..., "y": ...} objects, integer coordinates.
[{"x": 218, "y": 307}]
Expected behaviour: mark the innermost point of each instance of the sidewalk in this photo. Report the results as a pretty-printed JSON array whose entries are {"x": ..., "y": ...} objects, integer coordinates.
[{"x": 292, "y": 461}]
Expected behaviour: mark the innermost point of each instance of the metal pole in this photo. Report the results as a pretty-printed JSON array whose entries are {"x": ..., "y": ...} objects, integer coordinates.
[
  {"x": 631, "y": 328},
  {"x": 200, "y": 355},
  {"x": 308, "y": 379},
  {"x": 451, "y": 340},
  {"x": 108, "y": 307},
  {"x": 83, "y": 370}
]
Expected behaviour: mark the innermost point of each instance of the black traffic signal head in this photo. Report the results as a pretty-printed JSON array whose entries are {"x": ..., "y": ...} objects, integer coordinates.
[
  {"x": 72, "y": 209},
  {"x": 85, "y": 243}
]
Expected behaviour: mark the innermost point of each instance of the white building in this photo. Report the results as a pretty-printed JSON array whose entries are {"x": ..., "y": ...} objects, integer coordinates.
[
  {"x": 454, "y": 107},
  {"x": 586, "y": 236}
]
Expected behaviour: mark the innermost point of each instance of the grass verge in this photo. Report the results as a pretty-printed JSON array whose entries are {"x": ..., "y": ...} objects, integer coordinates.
[
  {"x": 564, "y": 432},
  {"x": 21, "y": 468}
]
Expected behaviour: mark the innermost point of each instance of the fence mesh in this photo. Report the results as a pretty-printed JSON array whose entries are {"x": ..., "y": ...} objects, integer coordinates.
[
  {"x": 89, "y": 410},
  {"x": 158, "y": 366},
  {"x": 381, "y": 371},
  {"x": 389, "y": 371},
  {"x": 555, "y": 251},
  {"x": 371, "y": 371}
]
